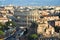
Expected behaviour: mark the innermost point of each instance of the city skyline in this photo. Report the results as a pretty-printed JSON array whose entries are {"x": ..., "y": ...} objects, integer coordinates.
[{"x": 31, "y": 2}]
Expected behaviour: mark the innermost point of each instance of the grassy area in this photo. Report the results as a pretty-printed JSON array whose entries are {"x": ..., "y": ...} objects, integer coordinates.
[{"x": 1, "y": 32}]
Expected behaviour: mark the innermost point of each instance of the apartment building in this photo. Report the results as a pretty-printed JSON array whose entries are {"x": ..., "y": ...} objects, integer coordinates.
[
  {"x": 26, "y": 17},
  {"x": 47, "y": 22},
  {"x": 51, "y": 18},
  {"x": 3, "y": 14},
  {"x": 42, "y": 28},
  {"x": 3, "y": 19}
]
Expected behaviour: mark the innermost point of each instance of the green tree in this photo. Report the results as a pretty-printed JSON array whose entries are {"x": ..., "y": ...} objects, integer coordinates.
[
  {"x": 1, "y": 26},
  {"x": 10, "y": 22},
  {"x": 57, "y": 28},
  {"x": 33, "y": 36},
  {"x": 1, "y": 32}
]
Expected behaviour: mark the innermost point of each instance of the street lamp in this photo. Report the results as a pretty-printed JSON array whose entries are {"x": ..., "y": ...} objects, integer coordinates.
[
  {"x": 10, "y": 19},
  {"x": 18, "y": 17},
  {"x": 10, "y": 24}
]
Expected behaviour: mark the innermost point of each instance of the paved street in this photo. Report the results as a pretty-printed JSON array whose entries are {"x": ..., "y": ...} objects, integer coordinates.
[{"x": 16, "y": 35}]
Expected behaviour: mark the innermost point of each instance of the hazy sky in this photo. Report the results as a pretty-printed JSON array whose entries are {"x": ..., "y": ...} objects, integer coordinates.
[{"x": 31, "y": 2}]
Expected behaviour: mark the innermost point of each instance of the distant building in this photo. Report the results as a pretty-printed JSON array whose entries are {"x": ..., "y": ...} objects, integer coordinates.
[
  {"x": 9, "y": 7},
  {"x": 51, "y": 18},
  {"x": 45, "y": 13},
  {"x": 57, "y": 8}
]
